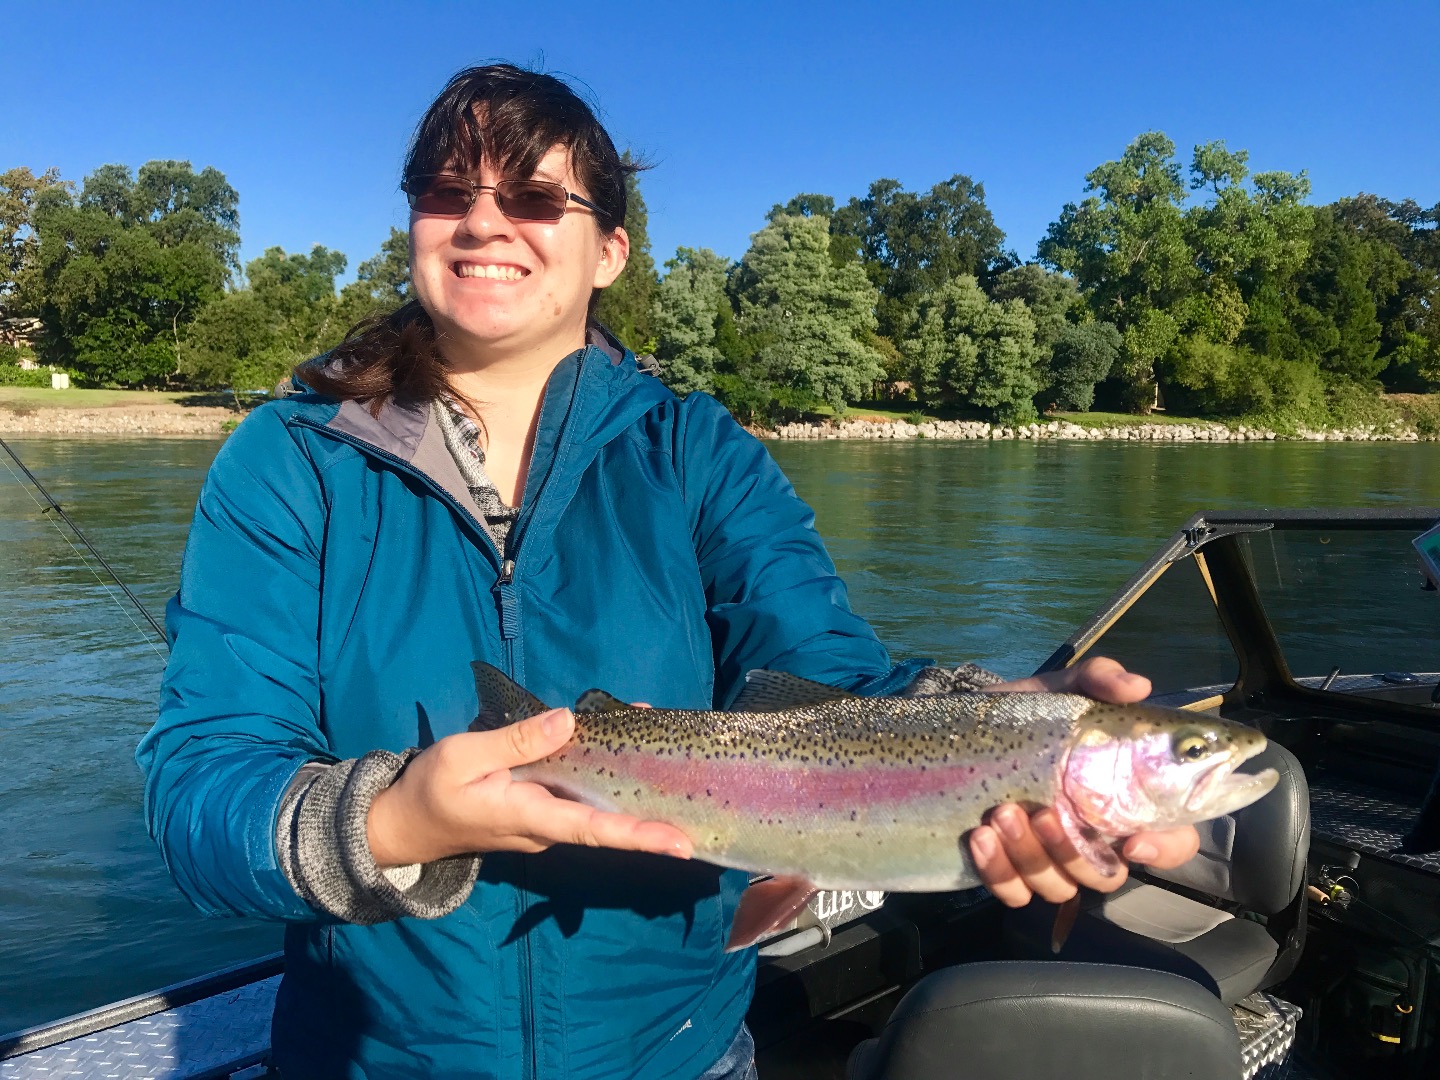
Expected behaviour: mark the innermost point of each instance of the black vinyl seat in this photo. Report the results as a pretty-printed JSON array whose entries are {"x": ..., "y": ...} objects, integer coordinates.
[
  {"x": 1017, "y": 1020},
  {"x": 1250, "y": 862}
]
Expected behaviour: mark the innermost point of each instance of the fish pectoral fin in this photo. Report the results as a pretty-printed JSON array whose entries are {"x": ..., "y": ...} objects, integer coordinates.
[
  {"x": 502, "y": 700},
  {"x": 767, "y": 906},
  {"x": 593, "y": 701},
  {"x": 1088, "y": 842},
  {"x": 1065, "y": 917},
  {"x": 771, "y": 691}
]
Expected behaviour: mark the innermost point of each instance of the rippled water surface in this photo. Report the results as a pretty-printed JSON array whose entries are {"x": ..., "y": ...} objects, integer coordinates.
[{"x": 957, "y": 551}]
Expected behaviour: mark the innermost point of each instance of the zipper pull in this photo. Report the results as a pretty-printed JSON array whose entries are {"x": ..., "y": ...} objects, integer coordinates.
[{"x": 509, "y": 602}]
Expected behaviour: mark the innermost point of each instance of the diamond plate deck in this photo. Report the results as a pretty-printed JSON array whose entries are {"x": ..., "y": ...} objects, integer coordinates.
[
  {"x": 1367, "y": 819},
  {"x": 1266, "y": 1026},
  {"x": 213, "y": 1037}
]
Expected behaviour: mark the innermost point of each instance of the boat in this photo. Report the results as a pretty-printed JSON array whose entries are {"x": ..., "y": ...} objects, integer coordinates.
[{"x": 1316, "y": 626}]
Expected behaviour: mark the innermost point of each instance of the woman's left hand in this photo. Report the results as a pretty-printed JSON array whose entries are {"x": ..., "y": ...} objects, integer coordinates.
[{"x": 1021, "y": 855}]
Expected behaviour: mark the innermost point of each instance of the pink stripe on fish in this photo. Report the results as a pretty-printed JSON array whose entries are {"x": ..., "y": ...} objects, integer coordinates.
[{"x": 765, "y": 788}]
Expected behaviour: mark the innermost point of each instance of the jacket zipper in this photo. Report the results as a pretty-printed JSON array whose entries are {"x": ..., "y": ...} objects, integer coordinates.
[{"x": 509, "y": 634}]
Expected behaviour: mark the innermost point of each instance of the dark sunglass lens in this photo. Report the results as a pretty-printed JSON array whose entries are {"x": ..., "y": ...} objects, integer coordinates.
[
  {"x": 440, "y": 195},
  {"x": 531, "y": 200}
]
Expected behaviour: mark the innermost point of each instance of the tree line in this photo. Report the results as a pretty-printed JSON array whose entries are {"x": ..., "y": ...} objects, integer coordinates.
[
  {"x": 1207, "y": 289},
  {"x": 133, "y": 279}
]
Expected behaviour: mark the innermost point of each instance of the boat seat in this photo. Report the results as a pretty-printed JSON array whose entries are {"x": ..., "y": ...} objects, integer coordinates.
[
  {"x": 1018, "y": 1020},
  {"x": 1252, "y": 861}
]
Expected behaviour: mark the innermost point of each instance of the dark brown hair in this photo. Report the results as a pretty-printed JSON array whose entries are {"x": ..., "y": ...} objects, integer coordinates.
[{"x": 509, "y": 118}]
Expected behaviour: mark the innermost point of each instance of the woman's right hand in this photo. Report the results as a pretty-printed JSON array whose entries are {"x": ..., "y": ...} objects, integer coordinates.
[{"x": 457, "y": 797}]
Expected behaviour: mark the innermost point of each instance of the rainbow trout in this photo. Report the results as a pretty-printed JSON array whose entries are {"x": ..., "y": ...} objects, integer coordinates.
[{"x": 828, "y": 790}]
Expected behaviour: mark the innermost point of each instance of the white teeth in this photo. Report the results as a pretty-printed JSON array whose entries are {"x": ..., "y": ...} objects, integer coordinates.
[{"x": 494, "y": 273}]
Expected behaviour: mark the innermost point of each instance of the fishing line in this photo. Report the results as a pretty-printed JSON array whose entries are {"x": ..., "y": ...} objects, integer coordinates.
[{"x": 60, "y": 512}]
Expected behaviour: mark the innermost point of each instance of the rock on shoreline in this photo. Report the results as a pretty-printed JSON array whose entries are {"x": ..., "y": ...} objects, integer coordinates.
[
  {"x": 1063, "y": 430},
  {"x": 146, "y": 420},
  {"x": 116, "y": 420}
]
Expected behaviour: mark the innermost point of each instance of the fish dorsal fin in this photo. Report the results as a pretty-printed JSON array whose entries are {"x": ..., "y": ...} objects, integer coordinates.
[
  {"x": 771, "y": 691},
  {"x": 502, "y": 700},
  {"x": 592, "y": 701}
]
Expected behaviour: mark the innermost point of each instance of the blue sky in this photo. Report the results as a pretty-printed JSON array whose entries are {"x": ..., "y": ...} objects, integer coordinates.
[{"x": 307, "y": 107}]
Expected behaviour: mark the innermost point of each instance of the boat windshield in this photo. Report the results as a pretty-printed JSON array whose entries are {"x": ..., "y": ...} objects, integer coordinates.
[
  {"x": 1348, "y": 600},
  {"x": 1172, "y": 633}
]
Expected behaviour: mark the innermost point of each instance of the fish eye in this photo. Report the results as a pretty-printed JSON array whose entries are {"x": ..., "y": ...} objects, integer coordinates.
[{"x": 1190, "y": 746}]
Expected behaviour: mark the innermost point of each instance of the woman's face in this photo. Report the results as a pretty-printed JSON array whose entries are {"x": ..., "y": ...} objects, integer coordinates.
[{"x": 499, "y": 289}]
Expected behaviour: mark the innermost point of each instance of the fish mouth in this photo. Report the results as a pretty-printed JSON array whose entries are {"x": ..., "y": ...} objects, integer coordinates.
[{"x": 1221, "y": 790}]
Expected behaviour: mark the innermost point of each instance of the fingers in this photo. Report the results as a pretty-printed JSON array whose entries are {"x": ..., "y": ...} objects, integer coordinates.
[
  {"x": 1076, "y": 866},
  {"x": 547, "y": 819},
  {"x": 531, "y": 739},
  {"x": 1165, "y": 849},
  {"x": 1098, "y": 677},
  {"x": 1013, "y": 862},
  {"x": 1106, "y": 680}
]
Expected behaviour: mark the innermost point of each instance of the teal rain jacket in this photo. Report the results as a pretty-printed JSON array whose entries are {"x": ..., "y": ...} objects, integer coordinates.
[{"x": 335, "y": 589}]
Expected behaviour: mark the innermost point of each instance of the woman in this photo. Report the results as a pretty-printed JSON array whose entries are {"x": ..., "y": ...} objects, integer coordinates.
[{"x": 485, "y": 475}]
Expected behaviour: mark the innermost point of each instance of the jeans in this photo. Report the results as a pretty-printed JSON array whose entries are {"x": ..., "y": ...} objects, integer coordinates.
[{"x": 738, "y": 1062}]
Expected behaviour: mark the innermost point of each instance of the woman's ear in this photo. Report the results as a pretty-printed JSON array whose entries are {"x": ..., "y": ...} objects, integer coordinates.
[{"x": 614, "y": 254}]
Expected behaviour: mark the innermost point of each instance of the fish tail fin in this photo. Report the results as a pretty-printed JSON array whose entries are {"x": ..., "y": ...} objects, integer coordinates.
[
  {"x": 502, "y": 700},
  {"x": 766, "y": 906}
]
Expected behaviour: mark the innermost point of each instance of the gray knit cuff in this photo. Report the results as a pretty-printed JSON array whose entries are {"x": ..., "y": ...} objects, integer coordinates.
[
  {"x": 966, "y": 679},
  {"x": 322, "y": 844}
]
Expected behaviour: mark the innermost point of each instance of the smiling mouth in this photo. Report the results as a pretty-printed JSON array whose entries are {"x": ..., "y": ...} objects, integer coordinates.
[{"x": 490, "y": 272}]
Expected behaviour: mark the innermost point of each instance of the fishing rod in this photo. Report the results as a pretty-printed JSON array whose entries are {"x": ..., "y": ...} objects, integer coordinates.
[{"x": 51, "y": 505}]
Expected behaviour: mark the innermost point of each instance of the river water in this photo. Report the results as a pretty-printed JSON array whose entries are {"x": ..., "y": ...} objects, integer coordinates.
[{"x": 980, "y": 551}]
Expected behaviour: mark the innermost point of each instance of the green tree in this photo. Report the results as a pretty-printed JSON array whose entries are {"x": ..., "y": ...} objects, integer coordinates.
[
  {"x": 911, "y": 243},
  {"x": 1081, "y": 357},
  {"x": 807, "y": 321},
  {"x": 287, "y": 313},
  {"x": 19, "y": 244},
  {"x": 689, "y": 303},
  {"x": 382, "y": 282},
  {"x": 1053, "y": 299},
  {"x": 1125, "y": 245},
  {"x": 1335, "y": 283},
  {"x": 964, "y": 347},
  {"x": 1403, "y": 256},
  {"x": 126, "y": 266},
  {"x": 1243, "y": 236},
  {"x": 627, "y": 307},
  {"x": 1233, "y": 380},
  {"x": 233, "y": 342}
]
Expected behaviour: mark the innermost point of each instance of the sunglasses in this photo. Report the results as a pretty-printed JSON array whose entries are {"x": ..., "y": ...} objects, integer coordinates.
[{"x": 444, "y": 195}]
